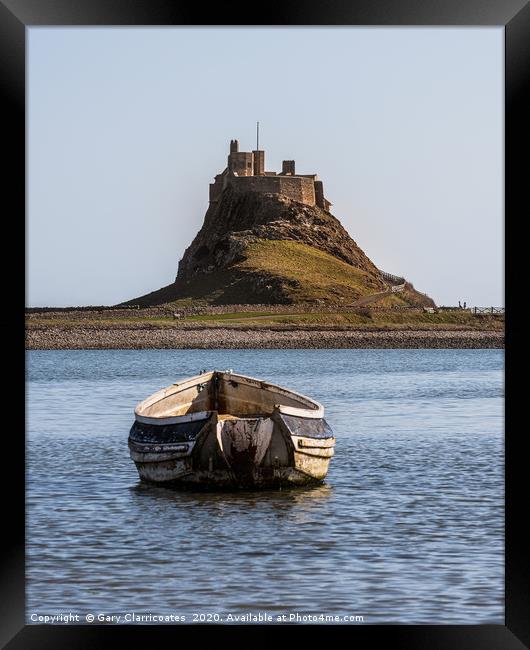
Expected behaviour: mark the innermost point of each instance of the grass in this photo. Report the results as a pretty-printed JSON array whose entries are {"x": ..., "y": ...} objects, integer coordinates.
[
  {"x": 311, "y": 273},
  {"x": 363, "y": 319},
  {"x": 231, "y": 316}
]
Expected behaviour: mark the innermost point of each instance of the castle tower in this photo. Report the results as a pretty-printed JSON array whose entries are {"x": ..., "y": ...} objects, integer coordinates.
[
  {"x": 259, "y": 162},
  {"x": 240, "y": 163},
  {"x": 288, "y": 167}
]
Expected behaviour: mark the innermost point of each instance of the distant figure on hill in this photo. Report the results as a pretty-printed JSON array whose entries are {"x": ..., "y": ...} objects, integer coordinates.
[{"x": 459, "y": 304}]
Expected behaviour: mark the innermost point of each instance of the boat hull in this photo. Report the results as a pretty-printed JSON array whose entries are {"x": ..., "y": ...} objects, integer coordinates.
[{"x": 234, "y": 453}]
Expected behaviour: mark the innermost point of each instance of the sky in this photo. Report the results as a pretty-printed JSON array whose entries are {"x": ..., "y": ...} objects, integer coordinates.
[{"x": 126, "y": 127}]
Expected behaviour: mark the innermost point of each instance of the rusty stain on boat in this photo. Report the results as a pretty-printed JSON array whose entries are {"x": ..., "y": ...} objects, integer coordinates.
[{"x": 224, "y": 430}]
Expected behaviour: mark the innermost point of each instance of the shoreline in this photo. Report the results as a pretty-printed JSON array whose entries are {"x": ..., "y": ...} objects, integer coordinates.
[{"x": 212, "y": 338}]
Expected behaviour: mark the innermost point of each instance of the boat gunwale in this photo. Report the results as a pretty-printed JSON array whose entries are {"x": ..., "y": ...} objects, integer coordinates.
[{"x": 315, "y": 409}]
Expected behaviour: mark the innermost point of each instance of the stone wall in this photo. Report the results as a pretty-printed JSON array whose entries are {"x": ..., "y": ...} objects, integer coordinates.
[
  {"x": 319, "y": 194},
  {"x": 293, "y": 187},
  {"x": 216, "y": 188},
  {"x": 299, "y": 189}
]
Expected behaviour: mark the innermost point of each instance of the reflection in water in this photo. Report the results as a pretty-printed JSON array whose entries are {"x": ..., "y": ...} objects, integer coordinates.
[
  {"x": 295, "y": 502},
  {"x": 408, "y": 527},
  {"x": 302, "y": 497}
]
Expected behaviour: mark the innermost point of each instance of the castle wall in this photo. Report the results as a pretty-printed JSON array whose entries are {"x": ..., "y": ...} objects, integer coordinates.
[
  {"x": 299, "y": 189},
  {"x": 216, "y": 188},
  {"x": 293, "y": 187},
  {"x": 319, "y": 195},
  {"x": 215, "y": 191}
]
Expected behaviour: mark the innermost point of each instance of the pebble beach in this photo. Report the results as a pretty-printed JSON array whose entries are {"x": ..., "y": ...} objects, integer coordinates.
[{"x": 138, "y": 338}]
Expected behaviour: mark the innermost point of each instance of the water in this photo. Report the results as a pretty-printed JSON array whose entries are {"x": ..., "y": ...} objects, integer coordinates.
[{"x": 408, "y": 527}]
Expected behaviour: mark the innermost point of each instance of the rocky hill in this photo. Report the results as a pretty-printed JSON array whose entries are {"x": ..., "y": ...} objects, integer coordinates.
[{"x": 268, "y": 249}]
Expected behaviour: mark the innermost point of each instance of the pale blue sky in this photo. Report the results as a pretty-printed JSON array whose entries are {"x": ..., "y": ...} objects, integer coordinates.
[{"x": 127, "y": 126}]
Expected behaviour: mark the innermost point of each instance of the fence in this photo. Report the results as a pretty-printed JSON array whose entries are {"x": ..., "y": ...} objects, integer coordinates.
[
  {"x": 392, "y": 279},
  {"x": 487, "y": 310}
]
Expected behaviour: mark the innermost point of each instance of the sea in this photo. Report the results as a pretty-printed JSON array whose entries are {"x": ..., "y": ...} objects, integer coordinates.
[{"x": 408, "y": 527}]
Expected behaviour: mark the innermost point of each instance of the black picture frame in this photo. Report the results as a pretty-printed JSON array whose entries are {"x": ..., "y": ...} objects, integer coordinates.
[{"x": 514, "y": 15}]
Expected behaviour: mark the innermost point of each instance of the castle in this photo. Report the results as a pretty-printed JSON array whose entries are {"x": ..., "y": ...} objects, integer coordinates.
[{"x": 245, "y": 172}]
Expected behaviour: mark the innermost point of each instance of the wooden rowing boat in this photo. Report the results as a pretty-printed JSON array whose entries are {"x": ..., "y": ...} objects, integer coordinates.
[{"x": 224, "y": 430}]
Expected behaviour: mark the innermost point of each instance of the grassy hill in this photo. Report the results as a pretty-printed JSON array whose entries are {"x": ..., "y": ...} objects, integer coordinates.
[
  {"x": 311, "y": 274},
  {"x": 274, "y": 271}
]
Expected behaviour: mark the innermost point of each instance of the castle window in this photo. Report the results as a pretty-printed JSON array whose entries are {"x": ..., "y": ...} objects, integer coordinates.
[{"x": 249, "y": 165}]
